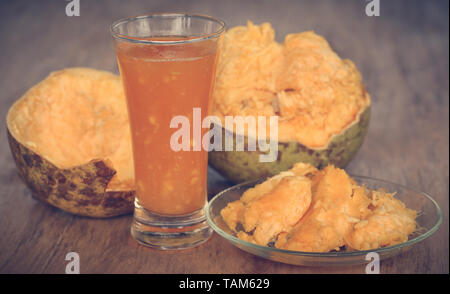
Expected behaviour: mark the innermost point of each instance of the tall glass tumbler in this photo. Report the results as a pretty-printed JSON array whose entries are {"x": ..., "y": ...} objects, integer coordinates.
[{"x": 167, "y": 63}]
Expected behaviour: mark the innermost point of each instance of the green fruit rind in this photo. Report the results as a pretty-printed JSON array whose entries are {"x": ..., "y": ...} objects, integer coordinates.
[
  {"x": 240, "y": 166},
  {"x": 79, "y": 190}
]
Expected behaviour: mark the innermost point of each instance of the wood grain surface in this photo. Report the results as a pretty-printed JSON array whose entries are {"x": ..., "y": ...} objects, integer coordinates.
[{"x": 404, "y": 60}]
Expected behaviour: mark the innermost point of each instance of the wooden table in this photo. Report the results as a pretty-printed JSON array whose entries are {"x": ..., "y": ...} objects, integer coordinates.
[{"x": 403, "y": 57}]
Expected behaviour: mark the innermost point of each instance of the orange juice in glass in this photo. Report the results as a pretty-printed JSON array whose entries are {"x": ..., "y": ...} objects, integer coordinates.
[{"x": 167, "y": 63}]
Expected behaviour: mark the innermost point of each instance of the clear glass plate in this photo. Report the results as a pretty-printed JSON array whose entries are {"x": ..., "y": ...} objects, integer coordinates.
[{"x": 429, "y": 219}]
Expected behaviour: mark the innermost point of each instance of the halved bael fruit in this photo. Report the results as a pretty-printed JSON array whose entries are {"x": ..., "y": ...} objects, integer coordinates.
[
  {"x": 69, "y": 136},
  {"x": 321, "y": 104}
]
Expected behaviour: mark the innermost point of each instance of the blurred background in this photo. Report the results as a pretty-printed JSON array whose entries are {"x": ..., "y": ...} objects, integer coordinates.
[{"x": 403, "y": 55}]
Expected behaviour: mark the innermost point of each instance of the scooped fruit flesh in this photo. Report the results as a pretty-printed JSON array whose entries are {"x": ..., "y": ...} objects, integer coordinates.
[
  {"x": 385, "y": 226},
  {"x": 331, "y": 216},
  {"x": 74, "y": 116},
  {"x": 315, "y": 94},
  {"x": 280, "y": 202},
  {"x": 334, "y": 213}
]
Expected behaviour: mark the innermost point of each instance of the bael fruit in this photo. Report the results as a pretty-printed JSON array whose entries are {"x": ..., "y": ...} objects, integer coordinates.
[
  {"x": 69, "y": 137},
  {"x": 322, "y": 106}
]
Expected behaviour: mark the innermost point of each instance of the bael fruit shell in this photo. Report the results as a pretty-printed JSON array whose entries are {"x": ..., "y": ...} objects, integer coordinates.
[
  {"x": 241, "y": 166},
  {"x": 79, "y": 190}
]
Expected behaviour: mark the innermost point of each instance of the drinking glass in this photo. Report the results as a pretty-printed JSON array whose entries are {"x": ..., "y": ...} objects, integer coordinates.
[{"x": 167, "y": 63}]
